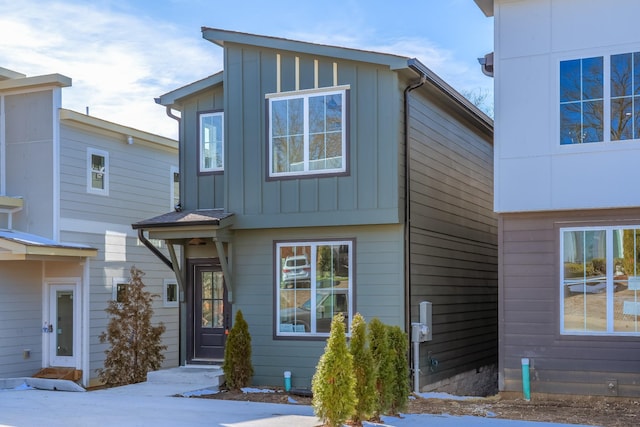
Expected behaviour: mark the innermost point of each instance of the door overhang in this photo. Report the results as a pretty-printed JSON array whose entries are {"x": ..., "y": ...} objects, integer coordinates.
[{"x": 19, "y": 246}]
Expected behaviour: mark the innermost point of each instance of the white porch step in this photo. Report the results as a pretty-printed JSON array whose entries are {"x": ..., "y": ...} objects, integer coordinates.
[{"x": 208, "y": 376}]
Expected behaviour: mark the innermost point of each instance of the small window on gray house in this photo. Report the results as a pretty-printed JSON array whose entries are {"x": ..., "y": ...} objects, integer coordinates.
[
  {"x": 170, "y": 293},
  {"x": 211, "y": 138},
  {"x": 97, "y": 171}
]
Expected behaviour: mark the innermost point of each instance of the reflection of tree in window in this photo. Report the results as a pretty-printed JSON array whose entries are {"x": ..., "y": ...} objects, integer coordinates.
[
  {"x": 625, "y": 92},
  {"x": 581, "y": 101}
]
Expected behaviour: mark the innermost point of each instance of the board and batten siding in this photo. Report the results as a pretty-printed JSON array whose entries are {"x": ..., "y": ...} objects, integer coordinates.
[
  {"x": 378, "y": 285},
  {"x": 21, "y": 325},
  {"x": 198, "y": 191},
  {"x": 530, "y": 312},
  {"x": 454, "y": 250},
  {"x": 368, "y": 194}
]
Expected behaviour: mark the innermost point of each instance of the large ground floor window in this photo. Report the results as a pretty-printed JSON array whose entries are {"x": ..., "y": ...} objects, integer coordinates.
[
  {"x": 313, "y": 284},
  {"x": 600, "y": 280}
]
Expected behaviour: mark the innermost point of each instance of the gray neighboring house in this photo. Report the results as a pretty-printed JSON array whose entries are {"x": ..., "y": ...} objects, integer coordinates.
[
  {"x": 70, "y": 186},
  {"x": 567, "y": 149},
  {"x": 319, "y": 180}
]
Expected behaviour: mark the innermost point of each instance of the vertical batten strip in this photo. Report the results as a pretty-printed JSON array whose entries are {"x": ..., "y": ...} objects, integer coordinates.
[
  {"x": 335, "y": 74},
  {"x": 297, "y": 73},
  {"x": 315, "y": 73},
  {"x": 278, "y": 73}
]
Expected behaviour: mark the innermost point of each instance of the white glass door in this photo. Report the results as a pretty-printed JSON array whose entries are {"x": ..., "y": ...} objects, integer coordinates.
[{"x": 63, "y": 323}]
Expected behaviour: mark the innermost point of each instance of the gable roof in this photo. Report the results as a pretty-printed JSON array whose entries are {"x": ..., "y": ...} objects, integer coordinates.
[{"x": 19, "y": 246}]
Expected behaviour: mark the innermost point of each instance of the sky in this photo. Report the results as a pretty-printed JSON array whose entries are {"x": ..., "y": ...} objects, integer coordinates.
[{"x": 122, "y": 54}]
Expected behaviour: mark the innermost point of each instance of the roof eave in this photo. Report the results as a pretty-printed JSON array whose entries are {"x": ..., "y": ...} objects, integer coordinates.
[
  {"x": 220, "y": 37},
  {"x": 478, "y": 115},
  {"x": 172, "y": 99},
  {"x": 486, "y": 6}
]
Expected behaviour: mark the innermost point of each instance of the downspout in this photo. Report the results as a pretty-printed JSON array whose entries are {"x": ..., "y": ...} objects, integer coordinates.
[
  {"x": 407, "y": 206},
  {"x": 407, "y": 221},
  {"x": 153, "y": 249}
]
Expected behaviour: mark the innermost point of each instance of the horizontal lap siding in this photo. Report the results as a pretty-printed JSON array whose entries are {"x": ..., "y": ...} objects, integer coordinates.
[
  {"x": 378, "y": 292},
  {"x": 21, "y": 327},
  {"x": 530, "y": 312},
  {"x": 453, "y": 239},
  {"x": 139, "y": 188}
]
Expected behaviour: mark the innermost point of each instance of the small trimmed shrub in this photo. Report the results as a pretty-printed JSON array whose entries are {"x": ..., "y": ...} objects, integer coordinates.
[
  {"x": 237, "y": 366},
  {"x": 333, "y": 384},
  {"x": 135, "y": 344},
  {"x": 379, "y": 344},
  {"x": 363, "y": 370},
  {"x": 400, "y": 388}
]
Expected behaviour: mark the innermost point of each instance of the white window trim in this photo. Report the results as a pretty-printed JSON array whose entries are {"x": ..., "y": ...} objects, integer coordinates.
[
  {"x": 100, "y": 191},
  {"x": 165, "y": 286},
  {"x": 609, "y": 282},
  {"x": 114, "y": 286},
  {"x": 314, "y": 246},
  {"x": 306, "y": 94},
  {"x": 201, "y": 167},
  {"x": 606, "y": 144}
]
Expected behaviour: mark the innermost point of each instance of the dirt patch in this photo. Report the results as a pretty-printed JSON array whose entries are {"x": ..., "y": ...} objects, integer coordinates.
[{"x": 597, "y": 411}]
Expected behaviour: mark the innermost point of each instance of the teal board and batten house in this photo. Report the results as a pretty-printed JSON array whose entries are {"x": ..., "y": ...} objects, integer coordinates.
[{"x": 318, "y": 180}]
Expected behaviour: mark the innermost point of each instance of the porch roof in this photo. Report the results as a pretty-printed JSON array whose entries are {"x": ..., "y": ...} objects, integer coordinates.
[
  {"x": 186, "y": 223},
  {"x": 20, "y": 246}
]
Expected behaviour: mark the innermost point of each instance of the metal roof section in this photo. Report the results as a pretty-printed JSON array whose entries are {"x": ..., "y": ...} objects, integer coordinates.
[
  {"x": 129, "y": 134},
  {"x": 170, "y": 99},
  {"x": 220, "y": 37},
  {"x": 48, "y": 80},
  {"x": 19, "y": 246}
]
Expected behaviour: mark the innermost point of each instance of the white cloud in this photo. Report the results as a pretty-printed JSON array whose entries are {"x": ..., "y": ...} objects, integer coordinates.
[{"x": 118, "y": 63}]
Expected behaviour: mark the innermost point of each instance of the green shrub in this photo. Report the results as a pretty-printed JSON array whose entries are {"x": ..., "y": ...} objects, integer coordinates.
[
  {"x": 333, "y": 384},
  {"x": 363, "y": 370},
  {"x": 135, "y": 345},
  {"x": 379, "y": 344},
  {"x": 237, "y": 366},
  {"x": 398, "y": 348}
]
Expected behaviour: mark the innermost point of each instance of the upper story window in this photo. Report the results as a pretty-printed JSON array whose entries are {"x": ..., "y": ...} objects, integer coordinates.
[
  {"x": 600, "y": 281},
  {"x": 174, "y": 186},
  {"x": 211, "y": 142},
  {"x": 97, "y": 171},
  {"x": 308, "y": 132},
  {"x": 314, "y": 282},
  {"x": 600, "y": 99}
]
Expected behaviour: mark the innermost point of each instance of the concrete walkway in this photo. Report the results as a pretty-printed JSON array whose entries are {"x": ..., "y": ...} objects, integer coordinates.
[{"x": 154, "y": 403}]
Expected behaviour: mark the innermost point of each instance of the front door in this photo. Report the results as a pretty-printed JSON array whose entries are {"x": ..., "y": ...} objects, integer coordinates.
[
  {"x": 63, "y": 314},
  {"x": 211, "y": 312}
]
